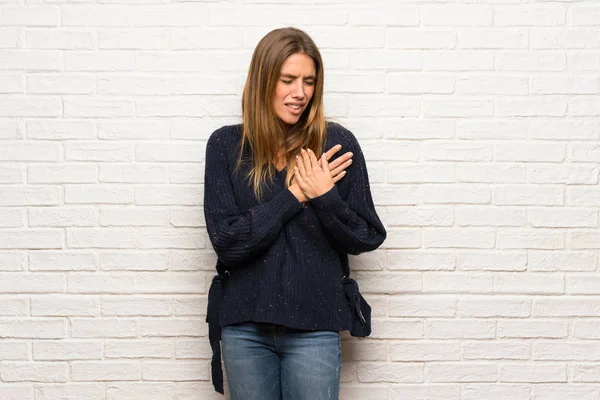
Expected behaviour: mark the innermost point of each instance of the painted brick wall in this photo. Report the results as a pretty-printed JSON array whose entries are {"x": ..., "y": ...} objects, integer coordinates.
[{"x": 481, "y": 126}]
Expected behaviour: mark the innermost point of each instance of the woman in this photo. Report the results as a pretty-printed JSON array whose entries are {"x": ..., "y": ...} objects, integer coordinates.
[{"x": 282, "y": 220}]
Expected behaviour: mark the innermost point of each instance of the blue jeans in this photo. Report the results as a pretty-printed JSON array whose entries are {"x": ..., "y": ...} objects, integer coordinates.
[{"x": 272, "y": 362}]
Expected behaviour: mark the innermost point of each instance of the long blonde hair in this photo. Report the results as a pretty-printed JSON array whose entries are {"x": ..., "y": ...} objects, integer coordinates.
[{"x": 262, "y": 131}]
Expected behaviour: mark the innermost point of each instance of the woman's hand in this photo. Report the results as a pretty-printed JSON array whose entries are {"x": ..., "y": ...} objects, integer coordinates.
[
  {"x": 338, "y": 166},
  {"x": 313, "y": 176}
]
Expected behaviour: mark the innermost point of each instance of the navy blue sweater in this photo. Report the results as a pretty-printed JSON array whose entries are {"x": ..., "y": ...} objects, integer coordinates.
[{"x": 281, "y": 261}]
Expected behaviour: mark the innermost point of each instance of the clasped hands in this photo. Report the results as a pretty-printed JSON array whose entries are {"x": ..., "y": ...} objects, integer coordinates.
[{"x": 314, "y": 177}]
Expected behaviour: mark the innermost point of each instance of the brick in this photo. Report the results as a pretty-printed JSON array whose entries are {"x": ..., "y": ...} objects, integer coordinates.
[
  {"x": 484, "y": 85},
  {"x": 494, "y": 307},
  {"x": 389, "y": 283},
  {"x": 573, "y": 38},
  {"x": 553, "y": 392},
  {"x": 140, "y": 39},
  {"x": 529, "y": 239},
  {"x": 529, "y": 15},
  {"x": 10, "y": 82},
  {"x": 585, "y": 328},
  {"x": 506, "y": 38},
  {"x": 97, "y": 108},
  {"x": 70, "y": 391},
  {"x": 98, "y": 60},
  {"x": 461, "y": 372},
  {"x": 181, "y": 195},
  {"x": 530, "y": 61},
  {"x": 175, "y": 370},
  {"x": 14, "y": 351},
  {"x": 427, "y": 391},
  {"x": 561, "y": 261},
  {"x": 31, "y": 238},
  {"x": 565, "y": 174},
  {"x": 64, "y": 39},
  {"x": 12, "y": 218},
  {"x": 190, "y": 305},
  {"x": 563, "y": 218},
  {"x": 205, "y": 38},
  {"x": 380, "y": 106},
  {"x": 458, "y": 238},
  {"x": 94, "y": 328},
  {"x": 452, "y": 194},
  {"x": 458, "y": 60},
  {"x": 421, "y": 173},
  {"x": 531, "y": 283},
  {"x": 585, "y": 152},
  {"x": 60, "y": 130},
  {"x": 104, "y": 15},
  {"x": 146, "y": 261},
  {"x": 105, "y": 371},
  {"x": 456, "y": 15},
  {"x": 34, "y": 371},
  {"x": 420, "y": 39},
  {"x": 377, "y": 59},
  {"x": 532, "y": 372},
  {"x": 12, "y": 261},
  {"x": 529, "y": 195},
  {"x": 170, "y": 152},
  {"x": 67, "y": 350},
  {"x": 391, "y": 372},
  {"x": 16, "y": 392},
  {"x": 30, "y": 15},
  {"x": 182, "y": 14},
  {"x": 62, "y": 173},
  {"x": 98, "y": 151},
  {"x": 492, "y": 261},
  {"x": 14, "y": 307},
  {"x": 138, "y": 129},
  {"x": 460, "y": 329},
  {"x": 134, "y": 173},
  {"x": 126, "y": 306},
  {"x": 61, "y": 261},
  {"x": 38, "y": 328},
  {"x": 532, "y": 329},
  {"x": 62, "y": 216},
  {"x": 84, "y": 282},
  {"x": 193, "y": 327},
  {"x": 460, "y": 107},
  {"x": 495, "y": 391},
  {"x": 495, "y": 350},
  {"x": 409, "y": 238},
  {"x": 144, "y": 348},
  {"x": 397, "y": 329},
  {"x": 140, "y": 390},
  {"x": 30, "y": 151},
  {"x": 454, "y": 282},
  {"x": 60, "y": 84},
  {"x": 55, "y": 306},
  {"x": 572, "y": 306},
  {"x": 583, "y": 239},
  {"x": 98, "y": 193},
  {"x": 425, "y": 351},
  {"x": 32, "y": 60},
  {"x": 131, "y": 216},
  {"x": 192, "y": 349},
  {"x": 420, "y": 260}
]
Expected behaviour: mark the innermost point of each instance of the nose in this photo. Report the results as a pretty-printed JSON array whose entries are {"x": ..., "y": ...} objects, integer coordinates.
[{"x": 298, "y": 91}]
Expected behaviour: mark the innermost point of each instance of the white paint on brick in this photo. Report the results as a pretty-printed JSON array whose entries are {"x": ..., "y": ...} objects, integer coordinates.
[{"x": 479, "y": 123}]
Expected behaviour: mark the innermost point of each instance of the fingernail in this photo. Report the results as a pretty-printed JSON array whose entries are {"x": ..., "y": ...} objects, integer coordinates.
[{"x": 351, "y": 154}]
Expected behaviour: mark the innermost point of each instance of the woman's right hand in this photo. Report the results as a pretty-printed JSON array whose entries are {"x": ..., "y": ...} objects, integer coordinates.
[
  {"x": 339, "y": 165},
  {"x": 337, "y": 168}
]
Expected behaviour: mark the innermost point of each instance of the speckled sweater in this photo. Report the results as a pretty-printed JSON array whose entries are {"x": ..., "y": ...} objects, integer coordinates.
[{"x": 281, "y": 261}]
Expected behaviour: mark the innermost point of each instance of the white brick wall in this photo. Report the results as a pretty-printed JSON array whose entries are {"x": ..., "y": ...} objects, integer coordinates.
[{"x": 480, "y": 124}]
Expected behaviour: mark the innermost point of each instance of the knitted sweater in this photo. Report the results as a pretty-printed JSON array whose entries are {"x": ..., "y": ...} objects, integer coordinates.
[{"x": 281, "y": 261}]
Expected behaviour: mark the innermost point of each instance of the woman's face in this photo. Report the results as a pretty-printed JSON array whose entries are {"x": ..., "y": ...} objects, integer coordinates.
[{"x": 295, "y": 87}]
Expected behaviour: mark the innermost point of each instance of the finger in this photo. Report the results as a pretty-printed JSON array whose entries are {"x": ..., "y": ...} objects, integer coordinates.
[
  {"x": 340, "y": 160},
  {"x": 298, "y": 176},
  {"x": 313, "y": 159},
  {"x": 300, "y": 169},
  {"x": 335, "y": 171},
  {"x": 325, "y": 164},
  {"x": 329, "y": 153},
  {"x": 306, "y": 160},
  {"x": 338, "y": 177}
]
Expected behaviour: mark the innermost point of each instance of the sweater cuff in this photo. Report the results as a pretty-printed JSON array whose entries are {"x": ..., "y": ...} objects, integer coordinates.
[
  {"x": 288, "y": 204},
  {"x": 329, "y": 200}
]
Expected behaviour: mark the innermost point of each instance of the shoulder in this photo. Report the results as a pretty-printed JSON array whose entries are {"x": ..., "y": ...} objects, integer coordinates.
[
  {"x": 225, "y": 137},
  {"x": 338, "y": 134}
]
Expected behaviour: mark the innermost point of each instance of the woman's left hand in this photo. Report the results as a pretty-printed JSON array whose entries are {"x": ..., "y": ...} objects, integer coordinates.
[{"x": 313, "y": 176}]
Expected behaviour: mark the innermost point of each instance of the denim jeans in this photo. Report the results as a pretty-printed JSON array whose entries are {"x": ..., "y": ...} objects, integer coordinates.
[{"x": 272, "y": 362}]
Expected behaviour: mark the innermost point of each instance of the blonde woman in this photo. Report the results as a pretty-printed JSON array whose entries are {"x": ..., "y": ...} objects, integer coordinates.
[{"x": 283, "y": 211}]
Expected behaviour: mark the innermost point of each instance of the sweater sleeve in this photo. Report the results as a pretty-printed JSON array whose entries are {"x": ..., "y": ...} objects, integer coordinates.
[
  {"x": 239, "y": 237},
  {"x": 353, "y": 224}
]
